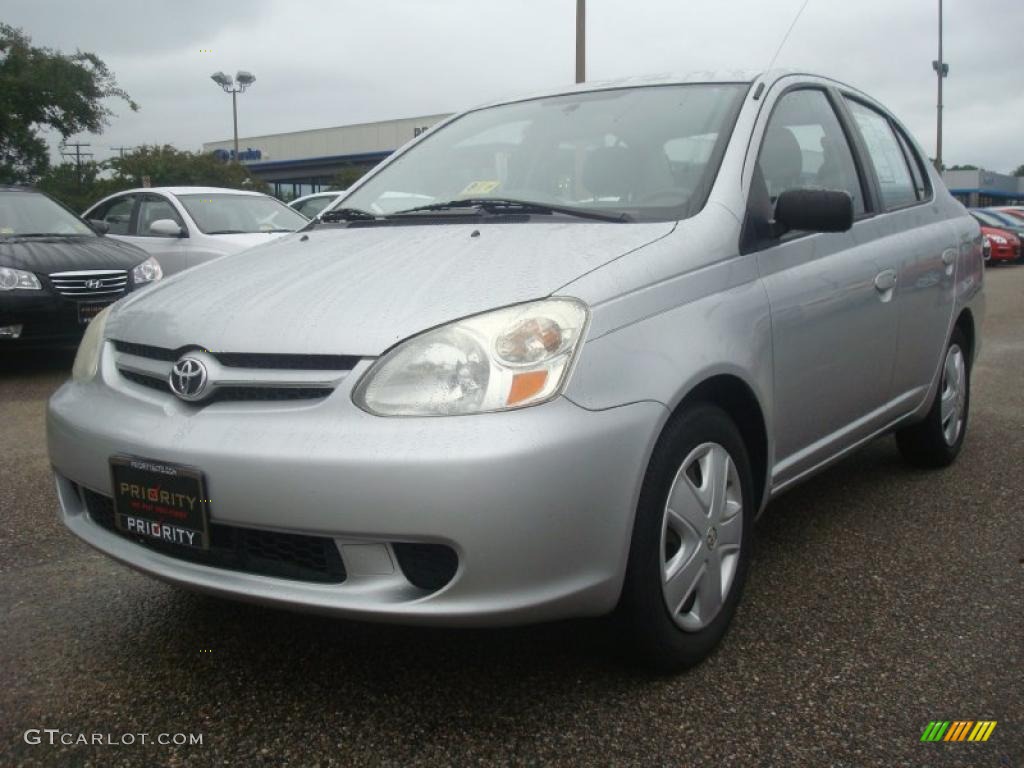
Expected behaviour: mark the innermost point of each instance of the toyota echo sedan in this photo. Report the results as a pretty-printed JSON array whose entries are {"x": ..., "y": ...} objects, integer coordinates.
[
  {"x": 187, "y": 226},
  {"x": 629, "y": 316},
  {"x": 57, "y": 273}
]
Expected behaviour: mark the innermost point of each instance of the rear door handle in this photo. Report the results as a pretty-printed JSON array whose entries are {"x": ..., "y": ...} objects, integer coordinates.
[{"x": 885, "y": 280}]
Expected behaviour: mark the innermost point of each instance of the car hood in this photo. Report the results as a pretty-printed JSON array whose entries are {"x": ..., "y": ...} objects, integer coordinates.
[
  {"x": 62, "y": 254},
  {"x": 359, "y": 290},
  {"x": 245, "y": 240}
]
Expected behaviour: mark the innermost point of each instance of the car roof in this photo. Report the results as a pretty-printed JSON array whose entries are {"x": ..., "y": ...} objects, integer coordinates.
[
  {"x": 670, "y": 78},
  {"x": 193, "y": 190}
]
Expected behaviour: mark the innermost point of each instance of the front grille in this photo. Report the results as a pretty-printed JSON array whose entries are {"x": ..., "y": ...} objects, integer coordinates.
[
  {"x": 235, "y": 394},
  {"x": 427, "y": 566},
  {"x": 105, "y": 284},
  {"x": 264, "y": 553},
  {"x": 245, "y": 359}
]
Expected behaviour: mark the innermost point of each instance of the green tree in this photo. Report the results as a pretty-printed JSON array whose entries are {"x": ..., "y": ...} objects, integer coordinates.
[
  {"x": 45, "y": 89},
  {"x": 348, "y": 176},
  {"x": 1019, "y": 171},
  {"x": 167, "y": 166},
  {"x": 79, "y": 187},
  {"x": 963, "y": 168}
]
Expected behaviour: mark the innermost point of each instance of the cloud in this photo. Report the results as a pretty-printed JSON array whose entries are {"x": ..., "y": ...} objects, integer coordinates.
[{"x": 319, "y": 64}]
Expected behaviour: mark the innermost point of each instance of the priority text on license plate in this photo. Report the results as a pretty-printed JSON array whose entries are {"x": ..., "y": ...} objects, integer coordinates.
[{"x": 158, "y": 501}]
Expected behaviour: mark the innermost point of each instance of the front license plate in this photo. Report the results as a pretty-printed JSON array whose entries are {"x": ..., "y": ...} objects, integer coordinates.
[
  {"x": 86, "y": 312},
  {"x": 160, "y": 502}
]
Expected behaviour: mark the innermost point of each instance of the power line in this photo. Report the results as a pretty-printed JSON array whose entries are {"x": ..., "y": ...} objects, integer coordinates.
[
  {"x": 78, "y": 154},
  {"x": 786, "y": 37}
]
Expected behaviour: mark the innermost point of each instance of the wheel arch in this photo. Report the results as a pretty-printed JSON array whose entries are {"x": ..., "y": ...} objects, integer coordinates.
[
  {"x": 965, "y": 322},
  {"x": 737, "y": 398}
]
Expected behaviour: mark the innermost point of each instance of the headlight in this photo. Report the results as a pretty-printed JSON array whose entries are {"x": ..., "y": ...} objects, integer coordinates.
[
  {"x": 147, "y": 271},
  {"x": 997, "y": 239},
  {"x": 10, "y": 279},
  {"x": 505, "y": 359},
  {"x": 88, "y": 357}
]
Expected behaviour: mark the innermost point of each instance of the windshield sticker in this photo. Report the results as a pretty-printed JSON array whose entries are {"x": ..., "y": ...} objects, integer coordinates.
[{"x": 480, "y": 187}]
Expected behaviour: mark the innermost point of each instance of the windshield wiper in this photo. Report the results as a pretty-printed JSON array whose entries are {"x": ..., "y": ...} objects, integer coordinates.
[
  {"x": 499, "y": 205},
  {"x": 228, "y": 232},
  {"x": 345, "y": 214}
]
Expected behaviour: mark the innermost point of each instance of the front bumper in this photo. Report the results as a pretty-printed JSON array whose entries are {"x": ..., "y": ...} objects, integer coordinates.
[
  {"x": 46, "y": 319},
  {"x": 538, "y": 503}
]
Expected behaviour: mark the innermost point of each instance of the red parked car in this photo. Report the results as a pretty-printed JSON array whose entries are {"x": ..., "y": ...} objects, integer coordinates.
[{"x": 1005, "y": 246}]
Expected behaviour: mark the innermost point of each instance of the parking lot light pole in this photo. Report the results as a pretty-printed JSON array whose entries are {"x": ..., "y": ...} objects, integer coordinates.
[
  {"x": 941, "y": 70},
  {"x": 234, "y": 86},
  {"x": 581, "y": 40}
]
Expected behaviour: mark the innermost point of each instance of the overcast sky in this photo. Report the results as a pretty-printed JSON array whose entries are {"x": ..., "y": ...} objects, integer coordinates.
[{"x": 334, "y": 62}]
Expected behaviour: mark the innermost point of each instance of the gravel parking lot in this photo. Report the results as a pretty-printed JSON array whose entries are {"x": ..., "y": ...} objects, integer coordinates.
[{"x": 881, "y": 598}]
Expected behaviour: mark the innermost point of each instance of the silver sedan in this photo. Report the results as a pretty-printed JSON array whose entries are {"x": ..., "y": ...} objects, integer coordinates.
[{"x": 551, "y": 359}]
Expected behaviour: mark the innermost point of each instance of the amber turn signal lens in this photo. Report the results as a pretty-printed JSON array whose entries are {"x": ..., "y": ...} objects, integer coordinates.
[{"x": 526, "y": 385}]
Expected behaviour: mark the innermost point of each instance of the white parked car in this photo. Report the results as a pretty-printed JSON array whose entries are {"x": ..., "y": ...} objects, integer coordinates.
[
  {"x": 186, "y": 226},
  {"x": 311, "y": 205}
]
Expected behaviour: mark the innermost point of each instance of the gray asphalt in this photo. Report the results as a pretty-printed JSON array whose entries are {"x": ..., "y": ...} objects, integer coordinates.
[{"x": 880, "y": 598}]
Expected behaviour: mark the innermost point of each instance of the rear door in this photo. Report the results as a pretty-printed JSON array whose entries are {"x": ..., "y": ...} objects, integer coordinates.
[
  {"x": 831, "y": 294},
  {"x": 923, "y": 244}
]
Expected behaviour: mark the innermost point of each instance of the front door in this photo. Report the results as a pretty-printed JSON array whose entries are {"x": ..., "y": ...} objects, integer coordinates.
[{"x": 834, "y": 318}]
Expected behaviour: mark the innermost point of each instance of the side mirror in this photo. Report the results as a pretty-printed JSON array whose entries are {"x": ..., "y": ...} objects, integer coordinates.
[
  {"x": 98, "y": 226},
  {"x": 813, "y": 210},
  {"x": 166, "y": 228}
]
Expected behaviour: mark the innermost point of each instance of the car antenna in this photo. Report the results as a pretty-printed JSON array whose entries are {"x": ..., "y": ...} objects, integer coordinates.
[{"x": 786, "y": 36}]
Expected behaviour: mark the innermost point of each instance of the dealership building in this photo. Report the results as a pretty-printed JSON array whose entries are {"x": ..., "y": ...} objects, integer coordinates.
[
  {"x": 981, "y": 188},
  {"x": 303, "y": 162}
]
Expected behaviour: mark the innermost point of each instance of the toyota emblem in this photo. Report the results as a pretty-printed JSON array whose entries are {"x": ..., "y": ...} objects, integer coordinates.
[{"x": 188, "y": 379}]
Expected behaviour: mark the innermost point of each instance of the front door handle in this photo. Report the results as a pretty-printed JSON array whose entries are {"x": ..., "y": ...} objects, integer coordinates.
[{"x": 885, "y": 280}]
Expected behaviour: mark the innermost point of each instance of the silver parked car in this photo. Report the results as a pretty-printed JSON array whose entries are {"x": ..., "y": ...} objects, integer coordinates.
[
  {"x": 186, "y": 226},
  {"x": 629, "y": 316}
]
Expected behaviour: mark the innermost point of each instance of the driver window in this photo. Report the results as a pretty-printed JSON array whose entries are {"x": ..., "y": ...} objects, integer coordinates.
[{"x": 804, "y": 146}]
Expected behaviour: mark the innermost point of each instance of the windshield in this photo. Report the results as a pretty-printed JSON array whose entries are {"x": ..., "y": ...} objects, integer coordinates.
[
  {"x": 227, "y": 214},
  {"x": 997, "y": 219},
  {"x": 648, "y": 152},
  {"x": 31, "y": 213}
]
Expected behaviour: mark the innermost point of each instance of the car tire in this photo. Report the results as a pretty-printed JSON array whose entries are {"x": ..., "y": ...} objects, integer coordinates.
[
  {"x": 675, "y": 555},
  {"x": 936, "y": 441}
]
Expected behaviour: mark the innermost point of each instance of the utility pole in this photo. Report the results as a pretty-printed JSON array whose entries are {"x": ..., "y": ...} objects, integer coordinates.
[
  {"x": 581, "y": 40},
  {"x": 78, "y": 154},
  {"x": 121, "y": 150},
  {"x": 941, "y": 71}
]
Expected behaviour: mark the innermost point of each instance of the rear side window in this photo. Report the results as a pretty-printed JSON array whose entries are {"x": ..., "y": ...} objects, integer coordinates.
[
  {"x": 804, "y": 146},
  {"x": 921, "y": 185},
  {"x": 894, "y": 177}
]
